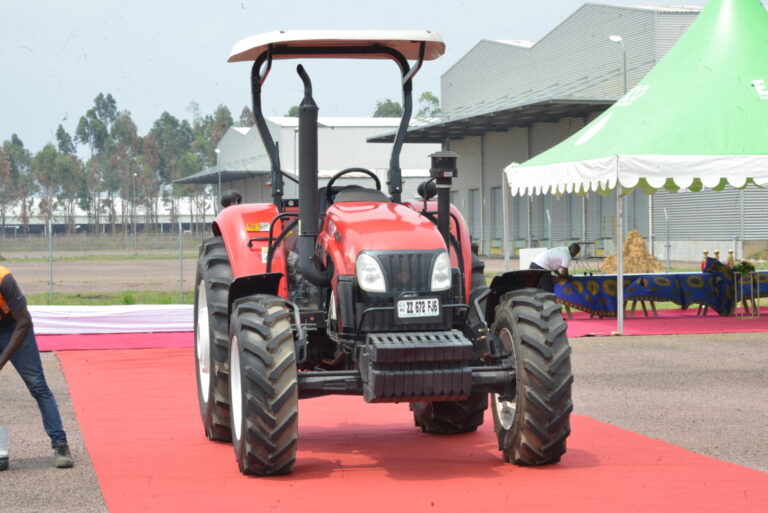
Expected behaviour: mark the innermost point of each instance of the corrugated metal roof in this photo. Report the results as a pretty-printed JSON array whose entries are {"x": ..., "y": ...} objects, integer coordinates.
[
  {"x": 338, "y": 122},
  {"x": 667, "y": 8},
  {"x": 516, "y": 42},
  {"x": 499, "y": 120}
]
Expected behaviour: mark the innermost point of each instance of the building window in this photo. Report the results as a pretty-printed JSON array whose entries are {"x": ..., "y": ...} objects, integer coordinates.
[
  {"x": 475, "y": 227},
  {"x": 497, "y": 214}
]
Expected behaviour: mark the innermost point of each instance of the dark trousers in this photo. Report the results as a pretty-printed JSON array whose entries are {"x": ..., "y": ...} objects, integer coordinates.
[
  {"x": 545, "y": 282},
  {"x": 27, "y": 363}
]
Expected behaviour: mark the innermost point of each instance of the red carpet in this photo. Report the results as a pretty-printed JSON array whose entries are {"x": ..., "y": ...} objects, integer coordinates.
[
  {"x": 115, "y": 341},
  {"x": 669, "y": 322},
  {"x": 138, "y": 413}
]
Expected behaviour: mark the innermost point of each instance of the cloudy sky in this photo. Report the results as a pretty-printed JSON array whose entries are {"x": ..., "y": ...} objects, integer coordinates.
[{"x": 158, "y": 55}]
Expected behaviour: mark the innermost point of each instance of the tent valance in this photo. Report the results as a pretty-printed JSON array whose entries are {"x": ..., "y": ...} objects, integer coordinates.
[{"x": 649, "y": 172}]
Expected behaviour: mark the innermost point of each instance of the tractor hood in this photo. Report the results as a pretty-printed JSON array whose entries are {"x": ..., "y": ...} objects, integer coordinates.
[{"x": 351, "y": 227}]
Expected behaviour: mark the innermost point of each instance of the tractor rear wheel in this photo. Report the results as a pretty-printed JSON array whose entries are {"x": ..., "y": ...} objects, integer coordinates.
[
  {"x": 450, "y": 417},
  {"x": 533, "y": 423},
  {"x": 214, "y": 275},
  {"x": 263, "y": 386},
  {"x": 453, "y": 417}
]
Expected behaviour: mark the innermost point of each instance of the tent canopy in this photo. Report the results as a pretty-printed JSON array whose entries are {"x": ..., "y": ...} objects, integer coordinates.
[{"x": 699, "y": 118}]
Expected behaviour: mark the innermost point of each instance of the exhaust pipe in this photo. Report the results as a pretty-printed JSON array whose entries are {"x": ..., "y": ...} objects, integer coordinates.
[{"x": 309, "y": 196}]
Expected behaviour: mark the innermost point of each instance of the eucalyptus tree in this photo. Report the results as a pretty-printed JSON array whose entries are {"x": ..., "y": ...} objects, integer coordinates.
[
  {"x": 93, "y": 130},
  {"x": 173, "y": 139},
  {"x": 70, "y": 174},
  {"x": 23, "y": 183},
  {"x": 44, "y": 172},
  {"x": 7, "y": 189}
]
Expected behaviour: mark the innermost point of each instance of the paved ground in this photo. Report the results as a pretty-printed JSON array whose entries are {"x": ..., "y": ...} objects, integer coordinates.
[{"x": 702, "y": 392}]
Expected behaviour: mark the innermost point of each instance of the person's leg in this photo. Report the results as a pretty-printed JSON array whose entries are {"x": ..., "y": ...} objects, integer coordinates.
[{"x": 27, "y": 363}]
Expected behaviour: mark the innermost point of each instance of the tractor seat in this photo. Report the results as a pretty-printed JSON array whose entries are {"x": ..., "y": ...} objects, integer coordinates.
[{"x": 357, "y": 193}]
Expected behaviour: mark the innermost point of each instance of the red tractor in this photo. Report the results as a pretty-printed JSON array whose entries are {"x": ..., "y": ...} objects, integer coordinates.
[{"x": 350, "y": 290}]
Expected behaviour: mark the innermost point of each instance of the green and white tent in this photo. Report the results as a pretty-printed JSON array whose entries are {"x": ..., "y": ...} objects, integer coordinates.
[
  {"x": 700, "y": 113},
  {"x": 698, "y": 119}
]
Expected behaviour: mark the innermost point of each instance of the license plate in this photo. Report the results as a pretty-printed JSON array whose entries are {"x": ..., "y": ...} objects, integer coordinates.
[{"x": 417, "y": 308}]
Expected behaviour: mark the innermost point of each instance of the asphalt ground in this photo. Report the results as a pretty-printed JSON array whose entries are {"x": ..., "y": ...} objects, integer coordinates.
[{"x": 705, "y": 393}]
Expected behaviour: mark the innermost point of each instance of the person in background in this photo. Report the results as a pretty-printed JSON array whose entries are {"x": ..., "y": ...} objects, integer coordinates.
[
  {"x": 556, "y": 260},
  {"x": 19, "y": 346}
]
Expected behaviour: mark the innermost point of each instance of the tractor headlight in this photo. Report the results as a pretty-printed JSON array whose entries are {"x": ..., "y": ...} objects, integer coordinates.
[
  {"x": 441, "y": 273},
  {"x": 370, "y": 277}
]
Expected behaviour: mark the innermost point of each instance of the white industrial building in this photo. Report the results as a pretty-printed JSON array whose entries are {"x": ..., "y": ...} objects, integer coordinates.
[
  {"x": 243, "y": 163},
  {"x": 507, "y": 101}
]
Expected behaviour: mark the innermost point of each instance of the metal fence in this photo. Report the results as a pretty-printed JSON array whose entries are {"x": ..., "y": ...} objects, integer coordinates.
[{"x": 38, "y": 246}]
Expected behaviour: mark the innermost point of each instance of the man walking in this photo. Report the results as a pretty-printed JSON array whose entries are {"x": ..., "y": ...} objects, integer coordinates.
[
  {"x": 555, "y": 260},
  {"x": 18, "y": 345}
]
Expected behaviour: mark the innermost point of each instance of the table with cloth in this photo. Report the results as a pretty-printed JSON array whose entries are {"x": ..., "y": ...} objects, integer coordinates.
[{"x": 597, "y": 294}]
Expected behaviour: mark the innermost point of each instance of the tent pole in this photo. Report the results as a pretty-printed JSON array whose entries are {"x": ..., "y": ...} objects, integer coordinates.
[
  {"x": 505, "y": 220},
  {"x": 619, "y": 260}
]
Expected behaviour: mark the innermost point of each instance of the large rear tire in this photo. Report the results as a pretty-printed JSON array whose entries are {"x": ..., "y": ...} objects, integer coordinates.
[
  {"x": 214, "y": 275},
  {"x": 263, "y": 386},
  {"x": 453, "y": 417},
  {"x": 532, "y": 424}
]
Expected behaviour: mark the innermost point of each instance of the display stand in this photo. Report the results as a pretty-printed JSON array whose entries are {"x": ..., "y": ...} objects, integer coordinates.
[{"x": 750, "y": 280}]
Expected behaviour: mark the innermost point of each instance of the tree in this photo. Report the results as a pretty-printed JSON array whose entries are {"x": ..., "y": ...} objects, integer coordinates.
[
  {"x": 247, "y": 118},
  {"x": 293, "y": 112},
  {"x": 429, "y": 105},
  {"x": 7, "y": 189},
  {"x": 93, "y": 129},
  {"x": 388, "y": 109},
  {"x": 173, "y": 139},
  {"x": 20, "y": 161},
  {"x": 64, "y": 141},
  {"x": 44, "y": 171}
]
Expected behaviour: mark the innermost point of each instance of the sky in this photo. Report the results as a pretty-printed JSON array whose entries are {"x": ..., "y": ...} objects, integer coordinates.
[{"x": 56, "y": 56}]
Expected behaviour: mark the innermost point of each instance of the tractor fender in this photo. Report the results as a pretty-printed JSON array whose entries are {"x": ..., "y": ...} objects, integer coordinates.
[
  {"x": 267, "y": 283},
  {"x": 245, "y": 231},
  {"x": 507, "y": 282}
]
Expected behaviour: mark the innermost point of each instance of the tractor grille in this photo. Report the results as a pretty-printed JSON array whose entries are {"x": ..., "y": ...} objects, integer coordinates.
[
  {"x": 409, "y": 271},
  {"x": 404, "y": 272}
]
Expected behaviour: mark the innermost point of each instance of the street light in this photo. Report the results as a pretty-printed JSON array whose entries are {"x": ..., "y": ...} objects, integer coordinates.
[{"x": 620, "y": 40}]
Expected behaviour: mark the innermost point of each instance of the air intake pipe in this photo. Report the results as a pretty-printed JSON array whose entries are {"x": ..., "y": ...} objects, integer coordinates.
[
  {"x": 309, "y": 197},
  {"x": 444, "y": 170}
]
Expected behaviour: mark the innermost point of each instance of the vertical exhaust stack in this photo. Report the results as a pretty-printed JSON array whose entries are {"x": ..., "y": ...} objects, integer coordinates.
[
  {"x": 309, "y": 196},
  {"x": 443, "y": 170}
]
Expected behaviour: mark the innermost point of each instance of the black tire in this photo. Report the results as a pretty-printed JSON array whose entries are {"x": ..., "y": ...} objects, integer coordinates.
[
  {"x": 263, "y": 386},
  {"x": 214, "y": 275},
  {"x": 450, "y": 417},
  {"x": 453, "y": 417},
  {"x": 532, "y": 424}
]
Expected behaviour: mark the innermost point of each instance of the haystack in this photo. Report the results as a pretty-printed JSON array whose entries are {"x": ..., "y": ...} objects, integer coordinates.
[{"x": 637, "y": 259}]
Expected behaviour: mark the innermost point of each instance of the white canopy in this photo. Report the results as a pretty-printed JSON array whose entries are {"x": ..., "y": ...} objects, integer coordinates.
[{"x": 406, "y": 42}]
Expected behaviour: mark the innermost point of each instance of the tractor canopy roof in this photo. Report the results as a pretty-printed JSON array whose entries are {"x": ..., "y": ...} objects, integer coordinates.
[{"x": 406, "y": 42}]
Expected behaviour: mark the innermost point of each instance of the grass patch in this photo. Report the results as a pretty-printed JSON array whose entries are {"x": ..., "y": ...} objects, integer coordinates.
[{"x": 130, "y": 297}]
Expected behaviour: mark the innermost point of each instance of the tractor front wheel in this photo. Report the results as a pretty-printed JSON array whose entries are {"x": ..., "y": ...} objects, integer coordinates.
[
  {"x": 263, "y": 386},
  {"x": 214, "y": 275},
  {"x": 533, "y": 423}
]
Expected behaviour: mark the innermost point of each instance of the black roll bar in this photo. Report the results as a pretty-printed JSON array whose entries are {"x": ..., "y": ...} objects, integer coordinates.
[{"x": 394, "y": 176}]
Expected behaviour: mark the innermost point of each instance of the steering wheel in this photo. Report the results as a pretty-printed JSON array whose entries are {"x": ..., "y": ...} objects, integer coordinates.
[{"x": 330, "y": 192}]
